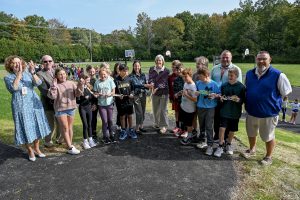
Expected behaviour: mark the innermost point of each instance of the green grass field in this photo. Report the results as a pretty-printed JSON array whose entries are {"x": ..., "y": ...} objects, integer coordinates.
[
  {"x": 279, "y": 181},
  {"x": 291, "y": 70}
]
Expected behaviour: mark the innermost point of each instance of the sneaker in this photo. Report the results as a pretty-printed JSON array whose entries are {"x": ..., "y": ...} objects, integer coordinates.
[
  {"x": 73, "y": 151},
  {"x": 95, "y": 138},
  {"x": 48, "y": 144},
  {"x": 219, "y": 152},
  {"x": 118, "y": 128},
  {"x": 194, "y": 139},
  {"x": 106, "y": 140},
  {"x": 163, "y": 130},
  {"x": 132, "y": 134},
  {"x": 209, "y": 151},
  {"x": 201, "y": 145},
  {"x": 177, "y": 132},
  {"x": 123, "y": 135},
  {"x": 86, "y": 145},
  {"x": 112, "y": 139},
  {"x": 186, "y": 141},
  {"x": 266, "y": 161},
  {"x": 92, "y": 143},
  {"x": 229, "y": 149},
  {"x": 184, "y": 134},
  {"x": 248, "y": 153}
]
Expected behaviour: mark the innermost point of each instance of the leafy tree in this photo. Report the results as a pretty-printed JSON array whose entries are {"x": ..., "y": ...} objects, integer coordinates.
[
  {"x": 144, "y": 35},
  {"x": 59, "y": 32},
  {"x": 37, "y": 28},
  {"x": 168, "y": 33}
]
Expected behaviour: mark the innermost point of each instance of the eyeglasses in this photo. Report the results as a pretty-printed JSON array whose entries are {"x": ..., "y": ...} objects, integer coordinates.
[{"x": 47, "y": 61}]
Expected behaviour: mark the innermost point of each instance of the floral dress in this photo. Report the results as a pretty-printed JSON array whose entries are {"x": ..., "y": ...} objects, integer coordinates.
[{"x": 27, "y": 109}]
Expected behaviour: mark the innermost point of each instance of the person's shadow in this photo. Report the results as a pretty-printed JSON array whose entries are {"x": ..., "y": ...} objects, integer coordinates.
[{"x": 10, "y": 152}]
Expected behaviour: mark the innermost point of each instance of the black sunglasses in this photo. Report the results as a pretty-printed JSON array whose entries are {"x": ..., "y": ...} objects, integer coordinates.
[{"x": 47, "y": 61}]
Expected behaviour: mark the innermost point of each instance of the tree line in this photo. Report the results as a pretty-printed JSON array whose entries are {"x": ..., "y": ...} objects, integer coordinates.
[{"x": 272, "y": 25}]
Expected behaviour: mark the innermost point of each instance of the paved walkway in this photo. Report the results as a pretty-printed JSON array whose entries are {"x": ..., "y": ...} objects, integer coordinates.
[{"x": 151, "y": 167}]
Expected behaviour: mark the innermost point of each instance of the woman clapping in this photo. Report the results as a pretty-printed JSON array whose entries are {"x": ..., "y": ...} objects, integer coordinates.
[{"x": 28, "y": 113}]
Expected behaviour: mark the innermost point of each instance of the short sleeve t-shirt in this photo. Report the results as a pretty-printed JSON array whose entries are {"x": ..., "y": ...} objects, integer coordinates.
[
  {"x": 295, "y": 106},
  {"x": 205, "y": 89},
  {"x": 104, "y": 87},
  {"x": 186, "y": 104}
]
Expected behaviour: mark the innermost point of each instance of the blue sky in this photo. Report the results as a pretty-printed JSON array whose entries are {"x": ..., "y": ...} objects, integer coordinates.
[{"x": 105, "y": 16}]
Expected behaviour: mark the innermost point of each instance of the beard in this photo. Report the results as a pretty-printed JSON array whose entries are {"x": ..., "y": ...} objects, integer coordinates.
[{"x": 261, "y": 68}]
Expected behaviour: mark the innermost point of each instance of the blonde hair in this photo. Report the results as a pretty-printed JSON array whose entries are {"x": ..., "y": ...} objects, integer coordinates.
[
  {"x": 105, "y": 65},
  {"x": 103, "y": 69}
]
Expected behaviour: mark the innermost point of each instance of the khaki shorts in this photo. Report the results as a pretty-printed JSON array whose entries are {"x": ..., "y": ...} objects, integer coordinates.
[{"x": 264, "y": 126}]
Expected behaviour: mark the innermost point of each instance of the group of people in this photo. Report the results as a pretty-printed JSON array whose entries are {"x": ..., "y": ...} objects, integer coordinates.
[
  {"x": 295, "y": 106},
  {"x": 213, "y": 98}
]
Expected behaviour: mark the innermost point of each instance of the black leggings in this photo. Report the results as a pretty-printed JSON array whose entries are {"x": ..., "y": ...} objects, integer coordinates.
[
  {"x": 86, "y": 118},
  {"x": 94, "y": 122}
]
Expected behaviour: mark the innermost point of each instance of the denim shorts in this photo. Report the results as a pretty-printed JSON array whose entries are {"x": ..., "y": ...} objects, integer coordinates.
[{"x": 70, "y": 112}]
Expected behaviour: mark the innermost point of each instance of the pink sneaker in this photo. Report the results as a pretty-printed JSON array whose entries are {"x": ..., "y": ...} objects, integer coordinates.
[
  {"x": 176, "y": 132},
  {"x": 176, "y": 129}
]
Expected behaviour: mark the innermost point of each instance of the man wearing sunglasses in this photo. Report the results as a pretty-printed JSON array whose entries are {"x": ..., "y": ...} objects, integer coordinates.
[{"x": 47, "y": 75}]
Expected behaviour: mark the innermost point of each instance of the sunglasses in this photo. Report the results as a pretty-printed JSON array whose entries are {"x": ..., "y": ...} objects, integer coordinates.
[{"x": 47, "y": 61}]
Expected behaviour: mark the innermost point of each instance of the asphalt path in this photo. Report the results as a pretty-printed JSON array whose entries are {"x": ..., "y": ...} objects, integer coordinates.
[{"x": 152, "y": 167}]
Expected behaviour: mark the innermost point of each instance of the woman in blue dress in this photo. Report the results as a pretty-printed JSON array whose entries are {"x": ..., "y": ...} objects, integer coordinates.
[{"x": 28, "y": 113}]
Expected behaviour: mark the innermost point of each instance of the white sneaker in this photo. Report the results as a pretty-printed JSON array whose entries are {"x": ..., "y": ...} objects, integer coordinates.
[
  {"x": 86, "y": 145},
  {"x": 218, "y": 152},
  {"x": 202, "y": 145},
  {"x": 163, "y": 130},
  {"x": 92, "y": 143},
  {"x": 184, "y": 135},
  {"x": 229, "y": 149},
  {"x": 209, "y": 150},
  {"x": 73, "y": 151}
]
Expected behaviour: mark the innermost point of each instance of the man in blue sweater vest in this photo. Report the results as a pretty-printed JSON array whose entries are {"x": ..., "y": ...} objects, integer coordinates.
[{"x": 265, "y": 87}]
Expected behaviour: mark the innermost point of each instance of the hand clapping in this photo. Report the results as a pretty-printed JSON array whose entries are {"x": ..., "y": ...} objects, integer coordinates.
[{"x": 31, "y": 67}]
